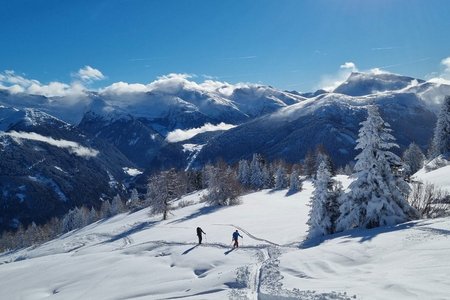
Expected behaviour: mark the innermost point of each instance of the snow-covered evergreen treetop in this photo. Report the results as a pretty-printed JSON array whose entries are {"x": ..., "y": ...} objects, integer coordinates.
[
  {"x": 377, "y": 196},
  {"x": 414, "y": 159},
  {"x": 441, "y": 139},
  {"x": 319, "y": 216}
]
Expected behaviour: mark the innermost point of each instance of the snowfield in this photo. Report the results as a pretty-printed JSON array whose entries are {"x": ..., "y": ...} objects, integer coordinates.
[
  {"x": 439, "y": 177},
  {"x": 134, "y": 256}
]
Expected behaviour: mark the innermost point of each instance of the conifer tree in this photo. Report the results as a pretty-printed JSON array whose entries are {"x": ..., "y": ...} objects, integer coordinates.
[
  {"x": 441, "y": 138},
  {"x": 309, "y": 164},
  {"x": 117, "y": 205},
  {"x": 413, "y": 158},
  {"x": 378, "y": 195},
  {"x": 105, "y": 209},
  {"x": 244, "y": 173},
  {"x": 134, "y": 203},
  {"x": 280, "y": 178},
  {"x": 295, "y": 184},
  {"x": 256, "y": 172},
  {"x": 223, "y": 187},
  {"x": 324, "y": 203},
  {"x": 93, "y": 216}
]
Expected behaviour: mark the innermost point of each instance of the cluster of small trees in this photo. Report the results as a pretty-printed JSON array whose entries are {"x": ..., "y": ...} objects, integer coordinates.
[
  {"x": 224, "y": 183},
  {"x": 75, "y": 218},
  {"x": 258, "y": 174}
]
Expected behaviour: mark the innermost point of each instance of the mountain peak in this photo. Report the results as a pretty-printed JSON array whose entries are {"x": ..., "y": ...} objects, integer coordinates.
[{"x": 360, "y": 84}]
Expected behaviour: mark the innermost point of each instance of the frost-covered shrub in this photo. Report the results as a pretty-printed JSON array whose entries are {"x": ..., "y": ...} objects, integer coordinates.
[{"x": 429, "y": 201}]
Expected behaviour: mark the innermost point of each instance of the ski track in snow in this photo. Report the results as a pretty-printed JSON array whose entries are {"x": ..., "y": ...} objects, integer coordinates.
[{"x": 263, "y": 280}]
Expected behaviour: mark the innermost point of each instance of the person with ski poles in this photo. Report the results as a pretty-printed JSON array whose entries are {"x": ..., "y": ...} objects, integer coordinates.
[
  {"x": 199, "y": 234},
  {"x": 236, "y": 236}
]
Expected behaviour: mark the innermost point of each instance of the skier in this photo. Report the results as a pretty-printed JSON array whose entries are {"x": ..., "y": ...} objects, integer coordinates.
[
  {"x": 236, "y": 235},
  {"x": 199, "y": 234}
]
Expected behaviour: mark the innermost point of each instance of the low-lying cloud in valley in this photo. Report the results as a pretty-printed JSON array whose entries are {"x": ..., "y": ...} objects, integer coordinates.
[
  {"x": 179, "y": 135},
  {"x": 72, "y": 147}
]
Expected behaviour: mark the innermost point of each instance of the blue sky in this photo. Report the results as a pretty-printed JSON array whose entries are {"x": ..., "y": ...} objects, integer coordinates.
[{"x": 287, "y": 44}]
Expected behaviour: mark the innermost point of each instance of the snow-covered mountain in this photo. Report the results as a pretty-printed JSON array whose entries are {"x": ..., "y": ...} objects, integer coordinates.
[
  {"x": 118, "y": 258},
  {"x": 164, "y": 100},
  {"x": 360, "y": 84},
  {"x": 331, "y": 120},
  {"x": 45, "y": 163},
  {"x": 281, "y": 124}
]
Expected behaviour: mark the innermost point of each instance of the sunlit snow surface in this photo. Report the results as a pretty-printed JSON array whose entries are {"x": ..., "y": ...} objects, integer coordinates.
[
  {"x": 134, "y": 256},
  {"x": 439, "y": 177}
]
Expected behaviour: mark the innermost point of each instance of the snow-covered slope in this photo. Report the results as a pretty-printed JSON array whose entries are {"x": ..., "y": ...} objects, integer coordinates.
[
  {"x": 436, "y": 172},
  {"x": 135, "y": 256}
]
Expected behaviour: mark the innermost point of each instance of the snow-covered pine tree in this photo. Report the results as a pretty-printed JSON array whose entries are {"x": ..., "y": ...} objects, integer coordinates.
[
  {"x": 280, "y": 178},
  {"x": 256, "y": 172},
  {"x": 377, "y": 196},
  {"x": 223, "y": 186},
  {"x": 309, "y": 164},
  {"x": 267, "y": 177},
  {"x": 117, "y": 205},
  {"x": 295, "y": 184},
  {"x": 207, "y": 174},
  {"x": 414, "y": 158},
  {"x": 32, "y": 234},
  {"x": 75, "y": 218},
  {"x": 134, "y": 203},
  {"x": 244, "y": 173},
  {"x": 441, "y": 138},
  {"x": 321, "y": 154},
  {"x": 324, "y": 203},
  {"x": 93, "y": 216},
  {"x": 105, "y": 209}
]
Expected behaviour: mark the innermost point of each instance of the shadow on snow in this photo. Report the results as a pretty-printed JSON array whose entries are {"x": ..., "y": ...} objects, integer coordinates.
[
  {"x": 134, "y": 229},
  {"x": 202, "y": 211},
  {"x": 365, "y": 235}
]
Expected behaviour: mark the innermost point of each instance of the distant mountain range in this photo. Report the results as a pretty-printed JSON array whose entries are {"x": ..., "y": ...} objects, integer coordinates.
[{"x": 59, "y": 152}]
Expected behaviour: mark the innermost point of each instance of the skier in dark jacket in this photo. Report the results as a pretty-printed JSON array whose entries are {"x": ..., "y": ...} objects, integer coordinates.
[
  {"x": 236, "y": 236},
  {"x": 199, "y": 234}
]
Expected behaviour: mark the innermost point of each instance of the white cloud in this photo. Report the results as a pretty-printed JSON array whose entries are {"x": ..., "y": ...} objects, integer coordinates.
[
  {"x": 119, "y": 88},
  {"x": 15, "y": 83},
  {"x": 181, "y": 135},
  {"x": 378, "y": 71},
  {"x": 439, "y": 80},
  {"x": 349, "y": 65},
  {"x": 172, "y": 83},
  {"x": 446, "y": 63},
  {"x": 444, "y": 76},
  {"x": 73, "y": 147},
  {"x": 88, "y": 74},
  {"x": 330, "y": 82}
]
